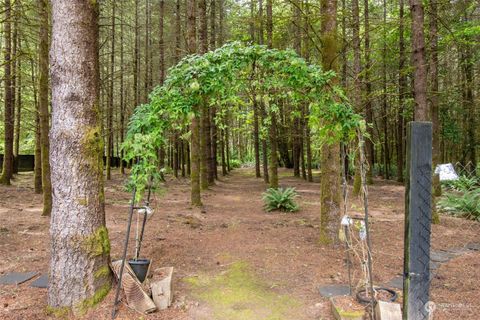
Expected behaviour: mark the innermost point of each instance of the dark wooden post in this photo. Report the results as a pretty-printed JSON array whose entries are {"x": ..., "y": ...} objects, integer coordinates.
[{"x": 418, "y": 216}]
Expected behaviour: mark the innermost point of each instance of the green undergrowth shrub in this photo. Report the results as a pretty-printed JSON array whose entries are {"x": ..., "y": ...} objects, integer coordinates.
[
  {"x": 235, "y": 163},
  {"x": 280, "y": 199},
  {"x": 462, "y": 184},
  {"x": 461, "y": 204}
]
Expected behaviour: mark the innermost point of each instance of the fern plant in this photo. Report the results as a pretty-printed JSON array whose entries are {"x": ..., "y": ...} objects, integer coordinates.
[
  {"x": 465, "y": 204},
  {"x": 280, "y": 199},
  {"x": 463, "y": 183}
]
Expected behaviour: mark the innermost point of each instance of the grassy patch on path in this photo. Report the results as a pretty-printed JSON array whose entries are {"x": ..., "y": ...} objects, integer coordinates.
[{"x": 237, "y": 294}]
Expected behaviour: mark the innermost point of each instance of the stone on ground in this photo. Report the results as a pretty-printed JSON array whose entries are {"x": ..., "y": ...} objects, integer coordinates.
[
  {"x": 334, "y": 290},
  {"x": 17, "y": 277},
  {"x": 41, "y": 282}
]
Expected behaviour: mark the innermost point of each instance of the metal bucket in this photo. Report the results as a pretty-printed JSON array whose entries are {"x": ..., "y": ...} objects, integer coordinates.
[{"x": 140, "y": 268}]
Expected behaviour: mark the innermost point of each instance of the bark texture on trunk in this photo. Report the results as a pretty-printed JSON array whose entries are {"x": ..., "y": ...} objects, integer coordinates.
[
  {"x": 419, "y": 63},
  {"x": 111, "y": 97},
  {"x": 7, "y": 170},
  {"x": 357, "y": 85},
  {"x": 43, "y": 106},
  {"x": 195, "y": 151},
  {"x": 402, "y": 91},
  {"x": 330, "y": 192},
  {"x": 80, "y": 247},
  {"x": 369, "y": 148}
]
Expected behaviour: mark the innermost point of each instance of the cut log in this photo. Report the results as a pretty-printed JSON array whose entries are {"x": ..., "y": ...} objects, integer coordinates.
[
  {"x": 137, "y": 298},
  {"x": 388, "y": 311},
  {"x": 347, "y": 308},
  {"x": 162, "y": 289}
]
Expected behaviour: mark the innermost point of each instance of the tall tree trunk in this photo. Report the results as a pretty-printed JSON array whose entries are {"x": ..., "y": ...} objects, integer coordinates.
[
  {"x": 306, "y": 48},
  {"x": 178, "y": 31},
  {"x": 15, "y": 58},
  {"x": 111, "y": 96},
  {"x": 18, "y": 113},
  {"x": 386, "y": 149},
  {"x": 136, "y": 58},
  {"x": 469, "y": 156},
  {"x": 357, "y": 84},
  {"x": 122, "y": 97},
  {"x": 38, "y": 153},
  {"x": 222, "y": 150},
  {"x": 221, "y": 22},
  {"x": 419, "y": 63},
  {"x": 80, "y": 248},
  {"x": 273, "y": 160},
  {"x": 261, "y": 40},
  {"x": 369, "y": 148},
  {"x": 195, "y": 151},
  {"x": 402, "y": 92},
  {"x": 43, "y": 106},
  {"x": 273, "y": 174},
  {"x": 7, "y": 170},
  {"x": 146, "y": 88},
  {"x": 297, "y": 122},
  {"x": 207, "y": 175},
  {"x": 260, "y": 22},
  {"x": 330, "y": 193},
  {"x": 213, "y": 110},
  {"x": 433, "y": 96},
  {"x": 256, "y": 138},
  {"x": 270, "y": 24}
]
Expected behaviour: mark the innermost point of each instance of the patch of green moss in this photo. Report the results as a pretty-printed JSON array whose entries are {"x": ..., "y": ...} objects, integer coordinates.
[
  {"x": 82, "y": 201},
  {"x": 98, "y": 243},
  {"x": 238, "y": 294},
  {"x": 350, "y": 314},
  {"x": 101, "y": 196},
  {"x": 60, "y": 312},
  {"x": 102, "y": 272},
  {"x": 324, "y": 238},
  {"x": 82, "y": 307},
  {"x": 92, "y": 143}
]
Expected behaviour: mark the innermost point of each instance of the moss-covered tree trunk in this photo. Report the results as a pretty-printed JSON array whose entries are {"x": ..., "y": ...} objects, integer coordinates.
[
  {"x": 205, "y": 139},
  {"x": 111, "y": 97},
  {"x": 80, "y": 248},
  {"x": 273, "y": 165},
  {"x": 419, "y": 64},
  {"x": 43, "y": 105},
  {"x": 18, "y": 112},
  {"x": 434, "y": 106},
  {"x": 122, "y": 82},
  {"x": 369, "y": 148},
  {"x": 7, "y": 170},
  {"x": 273, "y": 158},
  {"x": 195, "y": 151},
  {"x": 330, "y": 192},
  {"x": 402, "y": 92},
  {"x": 38, "y": 153},
  {"x": 357, "y": 84}
]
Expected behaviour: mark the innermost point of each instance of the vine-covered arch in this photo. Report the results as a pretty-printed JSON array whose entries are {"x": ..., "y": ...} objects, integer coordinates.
[{"x": 221, "y": 79}]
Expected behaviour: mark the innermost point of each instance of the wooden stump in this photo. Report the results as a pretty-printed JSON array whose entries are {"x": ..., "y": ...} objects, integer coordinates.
[{"x": 162, "y": 289}]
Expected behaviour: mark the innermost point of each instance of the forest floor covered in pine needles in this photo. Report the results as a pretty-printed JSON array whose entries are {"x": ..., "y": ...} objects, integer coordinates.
[{"x": 233, "y": 260}]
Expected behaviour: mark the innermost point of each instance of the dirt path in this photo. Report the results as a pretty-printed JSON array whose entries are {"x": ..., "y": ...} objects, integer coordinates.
[{"x": 233, "y": 260}]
